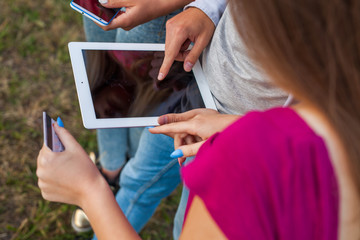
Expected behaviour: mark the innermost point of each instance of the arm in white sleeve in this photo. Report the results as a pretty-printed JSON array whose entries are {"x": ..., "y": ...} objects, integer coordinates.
[{"x": 212, "y": 8}]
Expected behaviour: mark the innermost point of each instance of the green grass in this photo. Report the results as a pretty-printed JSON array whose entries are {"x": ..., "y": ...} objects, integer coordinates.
[{"x": 36, "y": 76}]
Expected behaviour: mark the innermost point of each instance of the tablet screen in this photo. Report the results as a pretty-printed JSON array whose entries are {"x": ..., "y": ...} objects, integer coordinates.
[{"x": 124, "y": 84}]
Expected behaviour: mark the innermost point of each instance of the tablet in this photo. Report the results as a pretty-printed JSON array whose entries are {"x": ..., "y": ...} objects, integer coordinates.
[{"x": 117, "y": 85}]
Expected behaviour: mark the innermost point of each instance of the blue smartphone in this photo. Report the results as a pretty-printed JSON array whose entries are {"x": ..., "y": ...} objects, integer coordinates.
[
  {"x": 51, "y": 140},
  {"x": 95, "y": 11}
]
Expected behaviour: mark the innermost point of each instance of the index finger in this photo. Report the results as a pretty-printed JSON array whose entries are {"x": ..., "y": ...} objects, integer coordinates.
[
  {"x": 178, "y": 117},
  {"x": 174, "y": 128},
  {"x": 172, "y": 49}
]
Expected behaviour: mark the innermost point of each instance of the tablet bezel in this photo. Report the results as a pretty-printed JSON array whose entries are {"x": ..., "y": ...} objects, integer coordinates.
[{"x": 83, "y": 89}]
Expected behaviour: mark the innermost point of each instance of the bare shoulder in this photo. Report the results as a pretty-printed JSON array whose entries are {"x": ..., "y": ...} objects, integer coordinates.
[{"x": 199, "y": 224}]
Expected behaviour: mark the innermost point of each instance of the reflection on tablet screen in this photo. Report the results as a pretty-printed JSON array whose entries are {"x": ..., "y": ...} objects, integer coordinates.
[{"x": 124, "y": 84}]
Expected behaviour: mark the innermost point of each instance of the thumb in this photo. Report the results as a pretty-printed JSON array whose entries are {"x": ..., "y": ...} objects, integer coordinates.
[
  {"x": 114, "y": 3},
  {"x": 65, "y": 137},
  {"x": 188, "y": 150},
  {"x": 193, "y": 55},
  {"x": 124, "y": 20}
]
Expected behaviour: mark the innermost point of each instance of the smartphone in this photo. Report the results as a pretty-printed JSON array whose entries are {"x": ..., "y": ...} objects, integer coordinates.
[
  {"x": 51, "y": 140},
  {"x": 95, "y": 11}
]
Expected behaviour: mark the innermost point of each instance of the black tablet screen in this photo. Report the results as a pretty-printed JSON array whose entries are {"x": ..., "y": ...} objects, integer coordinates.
[{"x": 124, "y": 84}]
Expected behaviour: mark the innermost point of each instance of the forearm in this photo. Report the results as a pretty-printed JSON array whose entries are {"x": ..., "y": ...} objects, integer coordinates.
[{"x": 105, "y": 215}]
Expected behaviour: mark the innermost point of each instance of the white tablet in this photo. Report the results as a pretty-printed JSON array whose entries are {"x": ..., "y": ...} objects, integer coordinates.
[{"x": 117, "y": 85}]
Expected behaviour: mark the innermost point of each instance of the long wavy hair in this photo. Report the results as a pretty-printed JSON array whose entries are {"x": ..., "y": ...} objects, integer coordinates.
[{"x": 311, "y": 49}]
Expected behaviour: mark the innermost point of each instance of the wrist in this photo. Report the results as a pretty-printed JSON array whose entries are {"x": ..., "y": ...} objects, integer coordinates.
[
  {"x": 107, "y": 221},
  {"x": 93, "y": 192}
]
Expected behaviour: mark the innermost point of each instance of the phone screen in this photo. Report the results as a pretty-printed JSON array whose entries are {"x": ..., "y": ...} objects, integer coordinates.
[{"x": 97, "y": 9}]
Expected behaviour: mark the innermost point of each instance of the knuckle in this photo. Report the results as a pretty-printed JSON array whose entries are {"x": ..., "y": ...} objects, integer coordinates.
[
  {"x": 126, "y": 24},
  {"x": 198, "y": 119},
  {"x": 179, "y": 31},
  {"x": 175, "y": 28},
  {"x": 39, "y": 183},
  {"x": 193, "y": 126},
  {"x": 192, "y": 151},
  {"x": 189, "y": 151},
  {"x": 170, "y": 23},
  {"x": 42, "y": 161},
  {"x": 44, "y": 195},
  {"x": 38, "y": 174},
  {"x": 175, "y": 118}
]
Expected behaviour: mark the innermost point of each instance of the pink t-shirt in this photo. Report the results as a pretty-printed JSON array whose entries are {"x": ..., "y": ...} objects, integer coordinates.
[{"x": 267, "y": 176}]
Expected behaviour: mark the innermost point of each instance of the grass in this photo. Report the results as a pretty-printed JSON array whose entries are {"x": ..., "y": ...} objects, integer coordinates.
[{"x": 36, "y": 76}]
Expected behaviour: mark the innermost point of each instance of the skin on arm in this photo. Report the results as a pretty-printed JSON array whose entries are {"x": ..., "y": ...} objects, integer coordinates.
[
  {"x": 199, "y": 224},
  {"x": 109, "y": 215},
  {"x": 140, "y": 11},
  {"x": 71, "y": 177},
  {"x": 191, "y": 25}
]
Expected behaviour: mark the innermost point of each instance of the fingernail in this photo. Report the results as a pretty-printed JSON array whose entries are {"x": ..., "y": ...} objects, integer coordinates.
[
  {"x": 60, "y": 122},
  {"x": 177, "y": 153},
  {"x": 149, "y": 127},
  {"x": 103, "y": 1},
  {"x": 188, "y": 66},
  {"x": 162, "y": 120},
  {"x": 160, "y": 76}
]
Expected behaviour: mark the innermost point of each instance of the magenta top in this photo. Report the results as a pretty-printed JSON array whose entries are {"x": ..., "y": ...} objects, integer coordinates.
[{"x": 267, "y": 176}]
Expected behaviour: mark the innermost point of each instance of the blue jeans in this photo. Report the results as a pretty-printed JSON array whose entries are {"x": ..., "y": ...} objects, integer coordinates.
[
  {"x": 117, "y": 145},
  {"x": 150, "y": 174}
]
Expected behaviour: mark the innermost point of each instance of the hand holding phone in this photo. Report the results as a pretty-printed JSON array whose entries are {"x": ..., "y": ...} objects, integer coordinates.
[
  {"x": 51, "y": 140},
  {"x": 95, "y": 11},
  {"x": 135, "y": 12}
]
